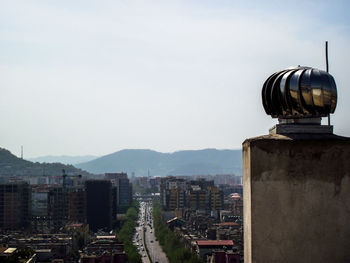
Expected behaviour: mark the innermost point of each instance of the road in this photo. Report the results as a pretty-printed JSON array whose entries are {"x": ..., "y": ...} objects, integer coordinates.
[
  {"x": 146, "y": 224},
  {"x": 138, "y": 237}
]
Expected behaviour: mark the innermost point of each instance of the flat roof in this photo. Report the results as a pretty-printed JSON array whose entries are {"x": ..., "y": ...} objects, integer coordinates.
[
  {"x": 228, "y": 224},
  {"x": 106, "y": 237},
  {"x": 214, "y": 242},
  {"x": 10, "y": 250},
  {"x": 171, "y": 220},
  {"x": 75, "y": 225},
  {"x": 43, "y": 250}
]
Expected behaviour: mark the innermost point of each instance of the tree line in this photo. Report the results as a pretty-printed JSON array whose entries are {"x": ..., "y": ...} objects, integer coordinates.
[
  {"x": 126, "y": 233},
  {"x": 170, "y": 242}
]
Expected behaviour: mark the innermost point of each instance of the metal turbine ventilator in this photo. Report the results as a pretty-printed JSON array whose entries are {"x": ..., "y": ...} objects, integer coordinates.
[{"x": 299, "y": 93}]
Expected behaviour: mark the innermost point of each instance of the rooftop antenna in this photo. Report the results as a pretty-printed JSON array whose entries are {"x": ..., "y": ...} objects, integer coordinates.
[
  {"x": 327, "y": 69},
  {"x": 21, "y": 151}
]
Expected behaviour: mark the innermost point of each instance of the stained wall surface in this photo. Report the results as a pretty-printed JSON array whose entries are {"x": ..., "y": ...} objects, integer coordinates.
[{"x": 296, "y": 198}]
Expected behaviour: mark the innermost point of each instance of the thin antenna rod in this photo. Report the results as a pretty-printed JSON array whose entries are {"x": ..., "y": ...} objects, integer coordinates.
[
  {"x": 22, "y": 152},
  {"x": 327, "y": 69}
]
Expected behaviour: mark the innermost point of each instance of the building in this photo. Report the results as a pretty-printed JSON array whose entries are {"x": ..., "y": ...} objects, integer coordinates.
[
  {"x": 39, "y": 201},
  {"x": 202, "y": 183},
  {"x": 53, "y": 207},
  {"x": 229, "y": 189},
  {"x": 53, "y": 246},
  {"x": 56, "y": 208},
  {"x": 123, "y": 194},
  {"x": 198, "y": 198},
  {"x": 76, "y": 202},
  {"x": 236, "y": 201},
  {"x": 225, "y": 257},
  {"x": 99, "y": 204},
  {"x": 103, "y": 249},
  {"x": 173, "y": 193},
  {"x": 114, "y": 177},
  {"x": 177, "y": 199},
  {"x": 178, "y": 193},
  {"x": 205, "y": 248},
  {"x": 216, "y": 198},
  {"x": 15, "y": 205},
  {"x": 227, "y": 179},
  {"x": 124, "y": 190},
  {"x": 39, "y": 208}
]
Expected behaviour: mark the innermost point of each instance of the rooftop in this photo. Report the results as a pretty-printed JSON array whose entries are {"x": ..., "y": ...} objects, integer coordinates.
[
  {"x": 10, "y": 250},
  {"x": 228, "y": 224},
  {"x": 214, "y": 242},
  {"x": 107, "y": 237}
]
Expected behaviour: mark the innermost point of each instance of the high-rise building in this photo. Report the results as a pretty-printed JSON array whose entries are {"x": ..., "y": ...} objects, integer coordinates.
[
  {"x": 76, "y": 202},
  {"x": 39, "y": 208},
  {"x": 177, "y": 199},
  {"x": 99, "y": 204},
  {"x": 173, "y": 193},
  {"x": 114, "y": 201},
  {"x": 113, "y": 177},
  {"x": 15, "y": 205},
  {"x": 56, "y": 208},
  {"x": 53, "y": 207},
  {"x": 216, "y": 198},
  {"x": 178, "y": 193},
  {"x": 123, "y": 192},
  {"x": 198, "y": 198},
  {"x": 202, "y": 183}
]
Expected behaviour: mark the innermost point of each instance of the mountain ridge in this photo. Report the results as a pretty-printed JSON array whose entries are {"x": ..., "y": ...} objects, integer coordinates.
[
  {"x": 186, "y": 162},
  {"x": 11, "y": 165},
  {"x": 64, "y": 159}
]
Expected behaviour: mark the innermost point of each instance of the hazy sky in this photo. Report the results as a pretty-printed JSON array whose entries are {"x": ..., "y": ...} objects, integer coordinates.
[{"x": 95, "y": 77}]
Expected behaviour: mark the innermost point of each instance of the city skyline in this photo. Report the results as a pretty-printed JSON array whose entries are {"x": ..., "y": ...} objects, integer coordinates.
[{"x": 94, "y": 78}]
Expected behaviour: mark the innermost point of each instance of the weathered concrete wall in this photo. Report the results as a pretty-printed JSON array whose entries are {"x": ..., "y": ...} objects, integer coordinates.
[{"x": 296, "y": 199}]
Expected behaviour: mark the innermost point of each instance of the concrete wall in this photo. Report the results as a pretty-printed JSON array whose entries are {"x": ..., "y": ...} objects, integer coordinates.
[{"x": 296, "y": 199}]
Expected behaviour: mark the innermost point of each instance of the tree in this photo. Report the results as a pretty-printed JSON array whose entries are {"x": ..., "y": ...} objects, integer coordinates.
[
  {"x": 126, "y": 232},
  {"x": 170, "y": 242}
]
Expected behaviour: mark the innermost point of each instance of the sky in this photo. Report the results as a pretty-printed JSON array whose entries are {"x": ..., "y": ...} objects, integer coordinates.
[{"x": 95, "y": 77}]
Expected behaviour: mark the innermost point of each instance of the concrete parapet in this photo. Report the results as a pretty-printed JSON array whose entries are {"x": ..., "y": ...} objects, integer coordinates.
[{"x": 296, "y": 198}]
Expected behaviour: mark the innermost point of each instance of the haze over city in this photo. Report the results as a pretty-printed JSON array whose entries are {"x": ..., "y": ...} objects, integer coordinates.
[{"x": 96, "y": 77}]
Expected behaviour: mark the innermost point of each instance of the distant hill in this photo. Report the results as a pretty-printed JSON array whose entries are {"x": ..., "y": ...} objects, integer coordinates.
[
  {"x": 10, "y": 165},
  {"x": 65, "y": 159},
  {"x": 207, "y": 161}
]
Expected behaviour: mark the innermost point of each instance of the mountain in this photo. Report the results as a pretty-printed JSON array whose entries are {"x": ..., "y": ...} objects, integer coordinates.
[
  {"x": 140, "y": 162},
  {"x": 10, "y": 165},
  {"x": 65, "y": 159}
]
